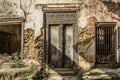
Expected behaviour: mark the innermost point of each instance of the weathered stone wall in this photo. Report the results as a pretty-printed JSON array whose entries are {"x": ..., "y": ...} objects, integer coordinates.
[
  {"x": 94, "y": 11},
  {"x": 91, "y": 11},
  {"x": 29, "y": 43}
]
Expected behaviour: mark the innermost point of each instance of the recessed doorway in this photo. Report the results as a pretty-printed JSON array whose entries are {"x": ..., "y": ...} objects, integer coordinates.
[{"x": 60, "y": 38}]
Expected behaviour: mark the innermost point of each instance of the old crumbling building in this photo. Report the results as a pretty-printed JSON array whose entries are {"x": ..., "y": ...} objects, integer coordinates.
[{"x": 60, "y": 32}]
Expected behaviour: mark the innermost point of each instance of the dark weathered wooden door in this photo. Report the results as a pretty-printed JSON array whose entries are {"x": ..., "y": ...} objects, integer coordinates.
[
  {"x": 105, "y": 43},
  {"x": 55, "y": 54},
  {"x": 60, "y": 36},
  {"x": 68, "y": 44},
  {"x": 60, "y": 45}
]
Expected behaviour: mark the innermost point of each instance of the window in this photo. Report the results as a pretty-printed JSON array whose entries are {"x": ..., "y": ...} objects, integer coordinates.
[
  {"x": 11, "y": 36},
  {"x": 105, "y": 42}
]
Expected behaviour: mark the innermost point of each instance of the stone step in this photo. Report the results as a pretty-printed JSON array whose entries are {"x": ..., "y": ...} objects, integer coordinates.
[
  {"x": 62, "y": 69},
  {"x": 61, "y": 78},
  {"x": 102, "y": 74},
  {"x": 62, "y": 72}
]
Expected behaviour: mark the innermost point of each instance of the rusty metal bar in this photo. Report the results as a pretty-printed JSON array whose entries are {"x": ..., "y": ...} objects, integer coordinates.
[
  {"x": 113, "y": 42},
  {"x": 105, "y": 45}
]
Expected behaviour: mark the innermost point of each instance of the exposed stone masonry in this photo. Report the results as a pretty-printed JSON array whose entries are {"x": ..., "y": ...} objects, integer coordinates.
[
  {"x": 33, "y": 49},
  {"x": 94, "y": 11},
  {"x": 39, "y": 46},
  {"x": 29, "y": 43}
]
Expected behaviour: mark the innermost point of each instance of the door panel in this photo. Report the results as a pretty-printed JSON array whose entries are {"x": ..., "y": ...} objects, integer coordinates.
[
  {"x": 55, "y": 54},
  {"x": 60, "y": 45},
  {"x": 68, "y": 43}
]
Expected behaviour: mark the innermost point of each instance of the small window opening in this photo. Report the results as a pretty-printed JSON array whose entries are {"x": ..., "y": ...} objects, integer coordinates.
[{"x": 105, "y": 43}]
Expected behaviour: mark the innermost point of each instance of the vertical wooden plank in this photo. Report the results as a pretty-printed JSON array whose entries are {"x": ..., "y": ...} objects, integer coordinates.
[
  {"x": 103, "y": 43},
  {"x": 22, "y": 38},
  {"x": 96, "y": 38},
  {"x": 44, "y": 42},
  {"x": 98, "y": 44},
  {"x": 108, "y": 39},
  {"x": 69, "y": 43},
  {"x": 55, "y": 56},
  {"x": 98, "y": 41},
  {"x": 61, "y": 51},
  {"x": 117, "y": 43},
  {"x": 106, "y": 43},
  {"x": 111, "y": 44},
  {"x": 75, "y": 43},
  {"x": 47, "y": 43}
]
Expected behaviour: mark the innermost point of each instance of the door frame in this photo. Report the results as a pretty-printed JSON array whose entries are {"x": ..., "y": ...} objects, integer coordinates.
[{"x": 46, "y": 24}]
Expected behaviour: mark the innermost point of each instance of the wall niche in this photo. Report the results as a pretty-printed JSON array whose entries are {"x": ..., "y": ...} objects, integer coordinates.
[{"x": 11, "y": 36}]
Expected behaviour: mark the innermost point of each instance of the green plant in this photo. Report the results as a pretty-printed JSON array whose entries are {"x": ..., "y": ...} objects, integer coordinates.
[
  {"x": 68, "y": 65},
  {"x": 26, "y": 74},
  {"x": 75, "y": 71},
  {"x": 41, "y": 75},
  {"x": 79, "y": 76},
  {"x": 50, "y": 66},
  {"x": 17, "y": 65},
  {"x": 94, "y": 74},
  {"x": 15, "y": 56},
  {"x": 111, "y": 74},
  {"x": 114, "y": 65}
]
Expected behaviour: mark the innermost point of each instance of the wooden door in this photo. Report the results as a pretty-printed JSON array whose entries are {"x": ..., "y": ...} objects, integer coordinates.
[
  {"x": 55, "y": 53},
  {"x": 60, "y": 45},
  {"x": 68, "y": 44}
]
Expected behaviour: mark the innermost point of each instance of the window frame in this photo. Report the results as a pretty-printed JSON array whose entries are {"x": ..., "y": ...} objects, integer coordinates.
[{"x": 15, "y": 21}]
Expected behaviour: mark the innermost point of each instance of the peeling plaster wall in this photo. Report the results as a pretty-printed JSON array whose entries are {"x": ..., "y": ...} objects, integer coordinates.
[
  {"x": 10, "y": 8},
  {"x": 55, "y": 1},
  {"x": 91, "y": 11},
  {"x": 33, "y": 31},
  {"x": 95, "y": 11}
]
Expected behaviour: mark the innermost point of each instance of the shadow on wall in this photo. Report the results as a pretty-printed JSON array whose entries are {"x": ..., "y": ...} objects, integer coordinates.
[
  {"x": 87, "y": 44},
  {"x": 113, "y": 7},
  {"x": 57, "y": 59}
]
